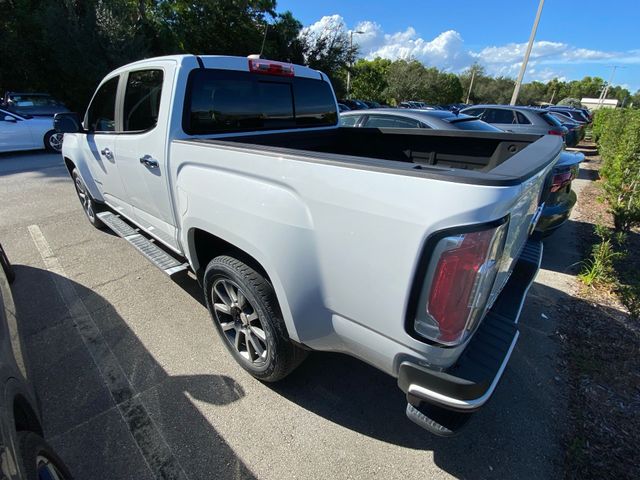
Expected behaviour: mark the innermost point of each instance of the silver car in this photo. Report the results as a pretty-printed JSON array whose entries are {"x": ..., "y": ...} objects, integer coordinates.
[{"x": 518, "y": 119}]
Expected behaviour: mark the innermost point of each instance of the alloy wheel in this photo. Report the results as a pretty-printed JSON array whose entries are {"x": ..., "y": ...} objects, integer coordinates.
[{"x": 239, "y": 321}]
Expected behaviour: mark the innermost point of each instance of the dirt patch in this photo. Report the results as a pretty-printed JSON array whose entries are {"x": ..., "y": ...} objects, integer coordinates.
[{"x": 601, "y": 346}]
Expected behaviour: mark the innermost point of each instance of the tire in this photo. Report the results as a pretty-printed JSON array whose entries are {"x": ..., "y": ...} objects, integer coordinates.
[
  {"x": 6, "y": 266},
  {"x": 53, "y": 141},
  {"x": 252, "y": 329},
  {"x": 89, "y": 205},
  {"x": 38, "y": 459}
]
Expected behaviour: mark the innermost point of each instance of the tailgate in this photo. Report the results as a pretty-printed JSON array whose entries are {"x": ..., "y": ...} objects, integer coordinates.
[{"x": 541, "y": 156}]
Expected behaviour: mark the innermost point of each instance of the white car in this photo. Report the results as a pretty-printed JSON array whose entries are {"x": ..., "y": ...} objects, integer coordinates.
[{"x": 27, "y": 133}]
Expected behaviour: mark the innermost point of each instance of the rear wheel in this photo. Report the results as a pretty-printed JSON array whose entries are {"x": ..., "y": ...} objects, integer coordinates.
[
  {"x": 39, "y": 461},
  {"x": 6, "y": 266},
  {"x": 246, "y": 314},
  {"x": 89, "y": 205},
  {"x": 53, "y": 141}
]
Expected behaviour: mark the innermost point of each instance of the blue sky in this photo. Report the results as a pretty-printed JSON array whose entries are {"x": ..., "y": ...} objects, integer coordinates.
[{"x": 575, "y": 37}]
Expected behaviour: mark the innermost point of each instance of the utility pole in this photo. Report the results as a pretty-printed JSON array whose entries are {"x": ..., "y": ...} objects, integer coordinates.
[
  {"x": 523, "y": 68},
  {"x": 357, "y": 32},
  {"x": 473, "y": 75},
  {"x": 553, "y": 95},
  {"x": 605, "y": 90}
]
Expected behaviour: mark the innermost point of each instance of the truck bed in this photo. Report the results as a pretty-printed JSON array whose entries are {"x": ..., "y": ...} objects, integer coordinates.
[{"x": 473, "y": 157}]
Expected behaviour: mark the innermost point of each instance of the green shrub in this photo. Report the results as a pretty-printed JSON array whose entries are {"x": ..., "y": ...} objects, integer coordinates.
[
  {"x": 617, "y": 133},
  {"x": 598, "y": 269},
  {"x": 570, "y": 102}
]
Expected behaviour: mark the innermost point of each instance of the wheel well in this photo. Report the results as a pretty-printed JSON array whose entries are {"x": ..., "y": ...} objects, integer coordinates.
[
  {"x": 208, "y": 246},
  {"x": 70, "y": 165},
  {"x": 25, "y": 418}
]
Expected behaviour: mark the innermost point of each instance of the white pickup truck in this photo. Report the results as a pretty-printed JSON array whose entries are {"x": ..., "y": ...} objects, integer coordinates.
[{"x": 407, "y": 248}]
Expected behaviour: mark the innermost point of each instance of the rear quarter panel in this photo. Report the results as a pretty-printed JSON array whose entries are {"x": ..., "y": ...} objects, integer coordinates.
[{"x": 339, "y": 244}]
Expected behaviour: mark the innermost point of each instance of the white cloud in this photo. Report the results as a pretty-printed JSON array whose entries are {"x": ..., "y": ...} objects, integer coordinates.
[{"x": 447, "y": 51}]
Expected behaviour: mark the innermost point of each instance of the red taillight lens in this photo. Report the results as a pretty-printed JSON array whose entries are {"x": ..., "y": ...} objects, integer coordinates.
[
  {"x": 561, "y": 180},
  {"x": 270, "y": 68},
  {"x": 554, "y": 132},
  {"x": 460, "y": 281}
]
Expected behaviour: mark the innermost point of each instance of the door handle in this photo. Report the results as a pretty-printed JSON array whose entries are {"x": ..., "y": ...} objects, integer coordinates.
[
  {"x": 148, "y": 161},
  {"x": 105, "y": 152}
]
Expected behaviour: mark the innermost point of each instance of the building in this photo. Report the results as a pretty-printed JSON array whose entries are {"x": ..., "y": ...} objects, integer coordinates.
[{"x": 596, "y": 103}]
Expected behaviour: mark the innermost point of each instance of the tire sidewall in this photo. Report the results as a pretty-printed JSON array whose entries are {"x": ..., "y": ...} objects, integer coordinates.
[
  {"x": 30, "y": 447},
  {"x": 47, "y": 144},
  {"x": 217, "y": 270},
  {"x": 95, "y": 221}
]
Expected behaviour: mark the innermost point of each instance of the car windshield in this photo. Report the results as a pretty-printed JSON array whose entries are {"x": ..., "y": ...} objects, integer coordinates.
[{"x": 34, "y": 101}]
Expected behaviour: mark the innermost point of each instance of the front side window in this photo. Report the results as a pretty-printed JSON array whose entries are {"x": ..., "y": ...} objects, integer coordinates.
[
  {"x": 219, "y": 101},
  {"x": 101, "y": 116},
  {"x": 142, "y": 100}
]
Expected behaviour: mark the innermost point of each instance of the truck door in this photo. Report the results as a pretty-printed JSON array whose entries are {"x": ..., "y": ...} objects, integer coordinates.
[
  {"x": 99, "y": 144},
  {"x": 142, "y": 148}
]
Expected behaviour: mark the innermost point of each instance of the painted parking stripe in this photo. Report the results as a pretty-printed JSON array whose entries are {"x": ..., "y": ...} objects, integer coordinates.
[{"x": 146, "y": 435}]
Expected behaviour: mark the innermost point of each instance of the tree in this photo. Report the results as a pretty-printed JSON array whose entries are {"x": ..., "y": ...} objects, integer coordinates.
[
  {"x": 570, "y": 102},
  {"x": 369, "y": 79},
  {"x": 328, "y": 49},
  {"x": 406, "y": 81}
]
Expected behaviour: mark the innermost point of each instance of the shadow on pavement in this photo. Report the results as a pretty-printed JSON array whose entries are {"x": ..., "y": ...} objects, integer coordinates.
[
  {"x": 80, "y": 416},
  {"x": 40, "y": 162}
]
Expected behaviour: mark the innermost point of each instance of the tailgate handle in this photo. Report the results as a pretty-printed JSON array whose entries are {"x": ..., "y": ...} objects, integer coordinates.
[{"x": 148, "y": 161}]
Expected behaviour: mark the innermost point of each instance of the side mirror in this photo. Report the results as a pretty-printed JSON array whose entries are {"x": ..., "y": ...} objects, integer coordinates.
[
  {"x": 9, "y": 118},
  {"x": 67, "y": 122}
]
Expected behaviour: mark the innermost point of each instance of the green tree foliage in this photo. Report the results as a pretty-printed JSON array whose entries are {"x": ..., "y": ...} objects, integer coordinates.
[
  {"x": 369, "y": 79},
  {"x": 570, "y": 102},
  {"x": 618, "y": 137}
]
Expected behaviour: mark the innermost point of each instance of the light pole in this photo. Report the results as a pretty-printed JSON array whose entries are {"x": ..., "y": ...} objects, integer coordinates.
[
  {"x": 473, "y": 75},
  {"x": 351, "y": 32},
  {"x": 523, "y": 68},
  {"x": 605, "y": 90}
]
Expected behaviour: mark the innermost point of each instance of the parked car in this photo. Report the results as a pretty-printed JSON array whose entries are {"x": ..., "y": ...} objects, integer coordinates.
[
  {"x": 576, "y": 130},
  {"x": 409, "y": 249},
  {"x": 33, "y": 104},
  {"x": 414, "y": 118},
  {"x": 18, "y": 132},
  {"x": 354, "y": 104},
  {"x": 518, "y": 119},
  {"x": 576, "y": 114},
  {"x": 25, "y": 453},
  {"x": 343, "y": 108},
  {"x": 559, "y": 198},
  {"x": 372, "y": 104}
]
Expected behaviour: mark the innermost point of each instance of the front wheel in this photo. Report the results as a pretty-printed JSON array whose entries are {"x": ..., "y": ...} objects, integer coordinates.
[
  {"x": 53, "y": 141},
  {"x": 89, "y": 205},
  {"x": 39, "y": 461},
  {"x": 246, "y": 314}
]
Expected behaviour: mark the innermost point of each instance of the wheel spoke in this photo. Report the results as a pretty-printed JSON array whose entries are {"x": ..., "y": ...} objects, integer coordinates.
[
  {"x": 229, "y": 289},
  {"x": 252, "y": 317},
  {"x": 258, "y": 332},
  {"x": 242, "y": 300},
  {"x": 226, "y": 326},
  {"x": 222, "y": 294},
  {"x": 255, "y": 343},
  {"x": 222, "y": 308}
]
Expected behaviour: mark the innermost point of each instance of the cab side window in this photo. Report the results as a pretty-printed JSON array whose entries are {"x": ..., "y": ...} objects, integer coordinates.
[
  {"x": 142, "y": 100},
  {"x": 101, "y": 116}
]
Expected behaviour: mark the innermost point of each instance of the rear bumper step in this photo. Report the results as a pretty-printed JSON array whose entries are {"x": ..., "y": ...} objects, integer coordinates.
[
  {"x": 442, "y": 401},
  {"x": 156, "y": 255}
]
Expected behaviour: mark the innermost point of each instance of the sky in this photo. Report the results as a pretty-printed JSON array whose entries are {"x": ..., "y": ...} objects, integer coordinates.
[{"x": 575, "y": 38}]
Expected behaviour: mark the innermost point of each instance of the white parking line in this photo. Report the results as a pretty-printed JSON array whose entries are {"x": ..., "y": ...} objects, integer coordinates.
[{"x": 150, "y": 442}]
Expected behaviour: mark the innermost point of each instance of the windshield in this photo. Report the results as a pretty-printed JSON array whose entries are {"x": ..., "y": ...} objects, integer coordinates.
[{"x": 34, "y": 101}]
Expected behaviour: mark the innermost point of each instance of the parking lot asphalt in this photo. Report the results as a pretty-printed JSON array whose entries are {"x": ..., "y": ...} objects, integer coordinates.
[{"x": 135, "y": 384}]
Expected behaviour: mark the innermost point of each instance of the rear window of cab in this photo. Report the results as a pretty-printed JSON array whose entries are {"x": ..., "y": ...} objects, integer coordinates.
[{"x": 225, "y": 101}]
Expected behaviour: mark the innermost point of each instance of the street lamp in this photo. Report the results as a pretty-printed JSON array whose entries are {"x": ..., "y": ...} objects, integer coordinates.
[
  {"x": 523, "y": 68},
  {"x": 351, "y": 32}
]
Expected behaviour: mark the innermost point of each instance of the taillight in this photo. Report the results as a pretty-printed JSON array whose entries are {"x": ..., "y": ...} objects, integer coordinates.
[
  {"x": 269, "y": 67},
  {"x": 459, "y": 283},
  {"x": 554, "y": 132},
  {"x": 561, "y": 180}
]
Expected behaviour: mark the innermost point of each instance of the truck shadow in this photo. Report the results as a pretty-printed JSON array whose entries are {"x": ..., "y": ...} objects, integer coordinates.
[{"x": 80, "y": 417}]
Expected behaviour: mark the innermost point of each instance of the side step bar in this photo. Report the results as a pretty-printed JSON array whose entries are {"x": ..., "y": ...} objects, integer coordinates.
[{"x": 161, "y": 259}]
